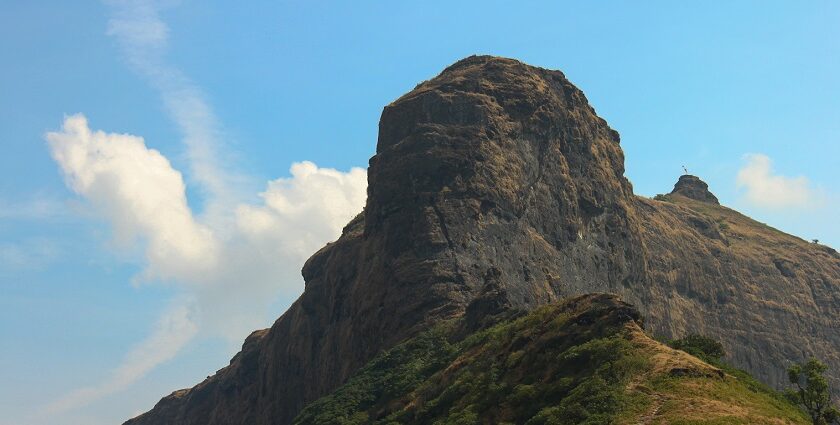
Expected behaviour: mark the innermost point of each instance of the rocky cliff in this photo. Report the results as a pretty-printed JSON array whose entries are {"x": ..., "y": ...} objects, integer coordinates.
[{"x": 495, "y": 185}]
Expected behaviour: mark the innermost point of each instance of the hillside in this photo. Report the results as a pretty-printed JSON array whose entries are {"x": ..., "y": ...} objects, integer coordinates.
[
  {"x": 495, "y": 186},
  {"x": 583, "y": 360},
  {"x": 770, "y": 297}
]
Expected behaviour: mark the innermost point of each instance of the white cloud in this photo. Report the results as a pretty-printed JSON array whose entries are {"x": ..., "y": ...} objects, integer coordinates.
[
  {"x": 765, "y": 189},
  {"x": 314, "y": 205},
  {"x": 136, "y": 24},
  {"x": 232, "y": 270},
  {"x": 234, "y": 259},
  {"x": 137, "y": 190},
  {"x": 143, "y": 39}
]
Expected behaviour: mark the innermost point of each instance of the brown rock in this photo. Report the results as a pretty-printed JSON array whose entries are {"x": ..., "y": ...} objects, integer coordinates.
[
  {"x": 694, "y": 188},
  {"x": 495, "y": 185}
]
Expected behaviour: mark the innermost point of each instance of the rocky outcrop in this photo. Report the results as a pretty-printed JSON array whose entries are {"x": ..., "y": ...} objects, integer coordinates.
[
  {"x": 694, "y": 188},
  {"x": 495, "y": 185}
]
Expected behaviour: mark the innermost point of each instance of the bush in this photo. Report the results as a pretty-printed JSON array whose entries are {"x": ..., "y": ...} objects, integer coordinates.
[{"x": 702, "y": 347}]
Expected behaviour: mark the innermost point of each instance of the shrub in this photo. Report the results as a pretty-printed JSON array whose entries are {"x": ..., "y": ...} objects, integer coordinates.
[
  {"x": 702, "y": 347},
  {"x": 811, "y": 391}
]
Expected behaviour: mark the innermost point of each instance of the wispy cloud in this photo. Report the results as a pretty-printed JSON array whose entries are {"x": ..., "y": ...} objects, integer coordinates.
[
  {"x": 172, "y": 332},
  {"x": 143, "y": 39},
  {"x": 231, "y": 272},
  {"x": 34, "y": 208},
  {"x": 27, "y": 254},
  {"x": 763, "y": 188},
  {"x": 231, "y": 261}
]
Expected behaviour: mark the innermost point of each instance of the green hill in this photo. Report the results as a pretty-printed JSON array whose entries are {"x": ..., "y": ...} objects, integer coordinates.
[{"x": 584, "y": 360}]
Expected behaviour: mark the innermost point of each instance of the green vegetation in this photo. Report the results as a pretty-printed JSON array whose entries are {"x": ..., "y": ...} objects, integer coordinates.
[
  {"x": 702, "y": 347},
  {"x": 584, "y": 361},
  {"x": 812, "y": 391},
  {"x": 387, "y": 377}
]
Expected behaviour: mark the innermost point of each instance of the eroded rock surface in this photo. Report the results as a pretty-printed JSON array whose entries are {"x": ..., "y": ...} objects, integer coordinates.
[
  {"x": 694, "y": 188},
  {"x": 496, "y": 185}
]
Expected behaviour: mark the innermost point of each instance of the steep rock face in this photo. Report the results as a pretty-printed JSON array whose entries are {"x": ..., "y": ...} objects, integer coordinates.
[
  {"x": 499, "y": 178},
  {"x": 496, "y": 185}
]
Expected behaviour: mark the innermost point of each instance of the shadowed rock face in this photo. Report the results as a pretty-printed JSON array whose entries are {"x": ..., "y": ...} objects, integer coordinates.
[
  {"x": 694, "y": 188},
  {"x": 496, "y": 185}
]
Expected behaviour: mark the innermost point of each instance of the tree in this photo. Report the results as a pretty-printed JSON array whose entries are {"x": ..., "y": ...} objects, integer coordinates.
[
  {"x": 702, "y": 347},
  {"x": 811, "y": 391}
]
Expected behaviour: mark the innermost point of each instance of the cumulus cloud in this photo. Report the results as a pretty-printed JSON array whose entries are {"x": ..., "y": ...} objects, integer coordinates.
[
  {"x": 232, "y": 260},
  {"x": 229, "y": 272},
  {"x": 314, "y": 205},
  {"x": 137, "y": 190},
  {"x": 765, "y": 189}
]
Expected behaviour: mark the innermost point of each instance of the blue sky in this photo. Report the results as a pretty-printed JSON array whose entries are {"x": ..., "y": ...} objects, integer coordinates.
[{"x": 98, "y": 315}]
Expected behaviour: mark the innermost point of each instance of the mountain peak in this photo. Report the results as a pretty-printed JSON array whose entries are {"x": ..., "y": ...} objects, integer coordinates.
[
  {"x": 496, "y": 187},
  {"x": 694, "y": 188}
]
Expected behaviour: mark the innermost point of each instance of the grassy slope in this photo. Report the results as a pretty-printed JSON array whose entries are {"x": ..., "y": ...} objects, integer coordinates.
[
  {"x": 585, "y": 360},
  {"x": 751, "y": 237}
]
